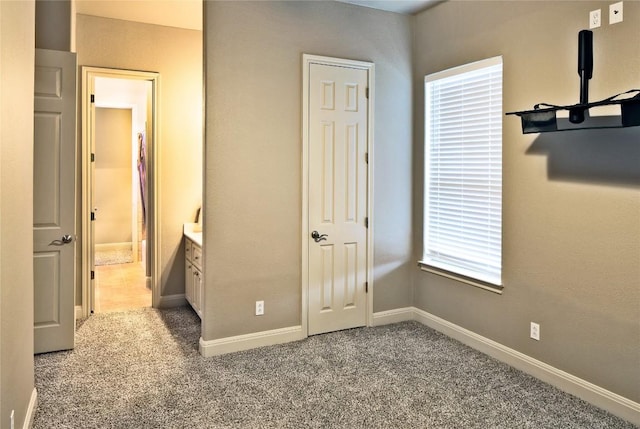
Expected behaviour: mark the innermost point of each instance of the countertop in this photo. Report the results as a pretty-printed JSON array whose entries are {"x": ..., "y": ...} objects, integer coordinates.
[{"x": 193, "y": 231}]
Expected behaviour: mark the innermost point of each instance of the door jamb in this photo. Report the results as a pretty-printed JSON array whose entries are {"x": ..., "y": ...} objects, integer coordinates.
[
  {"x": 153, "y": 173},
  {"x": 307, "y": 60}
]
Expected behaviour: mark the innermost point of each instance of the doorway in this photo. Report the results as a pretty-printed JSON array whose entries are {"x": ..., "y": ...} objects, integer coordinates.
[
  {"x": 337, "y": 191},
  {"x": 119, "y": 197}
]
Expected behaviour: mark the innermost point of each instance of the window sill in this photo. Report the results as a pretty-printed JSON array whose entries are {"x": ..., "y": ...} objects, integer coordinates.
[{"x": 460, "y": 278}]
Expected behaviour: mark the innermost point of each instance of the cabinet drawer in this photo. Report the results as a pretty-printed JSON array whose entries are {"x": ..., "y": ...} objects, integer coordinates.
[
  {"x": 196, "y": 255},
  {"x": 188, "y": 249}
]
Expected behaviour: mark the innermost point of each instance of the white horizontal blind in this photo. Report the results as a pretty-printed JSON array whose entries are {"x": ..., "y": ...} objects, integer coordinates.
[{"x": 463, "y": 170}]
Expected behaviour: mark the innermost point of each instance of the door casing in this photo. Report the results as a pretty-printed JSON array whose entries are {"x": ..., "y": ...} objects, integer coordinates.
[
  {"x": 307, "y": 60},
  {"x": 153, "y": 173}
]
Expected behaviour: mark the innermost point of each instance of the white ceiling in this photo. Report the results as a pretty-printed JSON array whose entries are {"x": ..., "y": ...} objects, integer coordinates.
[
  {"x": 188, "y": 13},
  {"x": 407, "y": 7}
]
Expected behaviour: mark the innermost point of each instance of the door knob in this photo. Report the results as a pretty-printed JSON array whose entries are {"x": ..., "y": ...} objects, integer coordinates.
[
  {"x": 66, "y": 239},
  {"x": 317, "y": 237}
]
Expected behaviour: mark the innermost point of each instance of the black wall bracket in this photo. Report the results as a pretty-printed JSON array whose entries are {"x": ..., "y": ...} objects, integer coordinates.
[{"x": 544, "y": 118}]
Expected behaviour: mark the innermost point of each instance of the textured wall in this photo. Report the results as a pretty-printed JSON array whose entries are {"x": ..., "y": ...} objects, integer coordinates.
[
  {"x": 253, "y": 171},
  {"x": 177, "y": 55},
  {"x": 112, "y": 178},
  {"x": 17, "y": 43},
  {"x": 53, "y": 28},
  {"x": 571, "y": 201}
]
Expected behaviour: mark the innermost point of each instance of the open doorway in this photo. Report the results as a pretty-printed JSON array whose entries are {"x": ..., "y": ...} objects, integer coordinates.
[
  {"x": 119, "y": 196},
  {"x": 119, "y": 199}
]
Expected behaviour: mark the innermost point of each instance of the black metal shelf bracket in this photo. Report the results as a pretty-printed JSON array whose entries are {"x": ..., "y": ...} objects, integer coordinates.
[{"x": 543, "y": 118}]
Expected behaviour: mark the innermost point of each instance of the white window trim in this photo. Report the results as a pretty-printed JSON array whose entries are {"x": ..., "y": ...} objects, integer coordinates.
[{"x": 461, "y": 275}]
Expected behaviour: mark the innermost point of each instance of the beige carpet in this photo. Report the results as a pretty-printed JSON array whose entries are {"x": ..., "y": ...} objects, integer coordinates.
[{"x": 141, "y": 369}]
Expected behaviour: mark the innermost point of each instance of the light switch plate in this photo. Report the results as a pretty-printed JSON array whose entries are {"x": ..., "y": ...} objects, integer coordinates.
[{"x": 615, "y": 13}]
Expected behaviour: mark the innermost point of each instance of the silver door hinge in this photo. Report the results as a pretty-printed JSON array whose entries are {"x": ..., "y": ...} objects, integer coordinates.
[
  {"x": 93, "y": 98},
  {"x": 366, "y": 222}
]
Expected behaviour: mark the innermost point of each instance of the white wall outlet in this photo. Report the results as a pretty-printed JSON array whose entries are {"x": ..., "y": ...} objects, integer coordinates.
[
  {"x": 259, "y": 308},
  {"x": 535, "y": 331},
  {"x": 595, "y": 18},
  {"x": 615, "y": 13}
]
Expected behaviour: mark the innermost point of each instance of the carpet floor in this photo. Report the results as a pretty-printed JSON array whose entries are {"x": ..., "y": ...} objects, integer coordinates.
[{"x": 142, "y": 369}]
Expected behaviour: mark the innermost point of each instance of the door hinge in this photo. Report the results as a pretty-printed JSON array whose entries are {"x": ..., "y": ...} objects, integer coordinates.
[
  {"x": 366, "y": 157},
  {"x": 93, "y": 98},
  {"x": 93, "y": 216},
  {"x": 366, "y": 287},
  {"x": 366, "y": 92},
  {"x": 93, "y": 157},
  {"x": 93, "y": 275},
  {"x": 366, "y": 222}
]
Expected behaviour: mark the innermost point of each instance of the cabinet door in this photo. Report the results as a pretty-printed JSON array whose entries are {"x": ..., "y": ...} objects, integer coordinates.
[
  {"x": 197, "y": 291},
  {"x": 188, "y": 281}
]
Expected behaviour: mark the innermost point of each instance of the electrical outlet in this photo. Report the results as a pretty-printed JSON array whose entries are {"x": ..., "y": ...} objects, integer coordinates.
[
  {"x": 259, "y": 308},
  {"x": 595, "y": 18},
  {"x": 535, "y": 331},
  {"x": 615, "y": 13}
]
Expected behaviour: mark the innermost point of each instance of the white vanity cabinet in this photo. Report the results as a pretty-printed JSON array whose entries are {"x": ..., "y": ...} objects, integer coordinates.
[{"x": 193, "y": 273}]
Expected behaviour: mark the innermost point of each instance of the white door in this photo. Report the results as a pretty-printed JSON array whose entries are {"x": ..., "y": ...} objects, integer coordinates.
[
  {"x": 91, "y": 129},
  {"x": 54, "y": 200},
  {"x": 337, "y": 199}
]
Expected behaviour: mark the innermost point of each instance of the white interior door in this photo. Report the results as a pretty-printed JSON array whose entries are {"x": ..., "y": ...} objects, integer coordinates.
[
  {"x": 337, "y": 197},
  {"x": 91, "y": 130},
  {"x": 54, "y": 200}
]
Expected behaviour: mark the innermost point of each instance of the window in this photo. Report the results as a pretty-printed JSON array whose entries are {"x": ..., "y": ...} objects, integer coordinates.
[{"x": 463, "y": 172}]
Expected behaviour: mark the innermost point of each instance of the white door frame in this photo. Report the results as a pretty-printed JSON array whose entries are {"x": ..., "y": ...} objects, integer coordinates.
[
  {"x": 307, "y": 60},
  {"x": 153, "y": 173}
]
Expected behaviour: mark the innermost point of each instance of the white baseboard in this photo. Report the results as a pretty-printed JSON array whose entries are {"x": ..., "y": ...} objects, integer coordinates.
[
  {"x": 31, "y": 410},
  {"x": 108, "y": 247},
  {"x": 602, "y": 398},
  {"x": 250, "y": 341},
  {"x": 169, "y": 301},
  {"x": 78, "y": 312},
  {"x": 393, "y": 316}
]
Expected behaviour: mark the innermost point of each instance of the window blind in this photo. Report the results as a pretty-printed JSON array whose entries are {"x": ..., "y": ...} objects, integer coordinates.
[{"x": 463, "y": 170}]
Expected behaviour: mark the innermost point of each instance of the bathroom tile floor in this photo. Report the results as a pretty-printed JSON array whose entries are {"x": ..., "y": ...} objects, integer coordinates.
[{"x": 121, "y": 287}]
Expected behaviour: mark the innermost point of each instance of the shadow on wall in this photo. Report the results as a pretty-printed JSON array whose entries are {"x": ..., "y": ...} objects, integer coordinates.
[{"x": 607, "y": 156}]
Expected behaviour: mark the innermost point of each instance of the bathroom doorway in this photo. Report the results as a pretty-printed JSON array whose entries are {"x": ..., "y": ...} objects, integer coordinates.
[
  {"x": 119, "y": 258},
  {"x": 119, "y": 197}
]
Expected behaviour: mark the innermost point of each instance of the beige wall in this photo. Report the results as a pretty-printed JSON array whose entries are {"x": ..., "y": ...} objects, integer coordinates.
[
  {"x": 571, "y": 201},
  {"x": 53, "y": 30},
  {"x": 113, "y": 174},
  {"x": 177, "y": 55},
  {"x": 17, "y": 43},
  {"x": 253, "y": 154}
]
